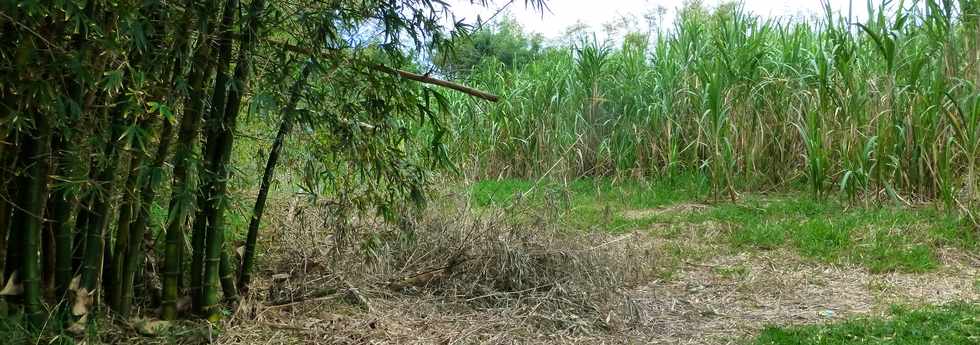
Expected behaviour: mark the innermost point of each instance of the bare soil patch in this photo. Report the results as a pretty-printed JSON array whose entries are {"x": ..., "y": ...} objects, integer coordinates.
[
  {"x": 677, "y": 209},
  {"x": 734, "y": 296}
]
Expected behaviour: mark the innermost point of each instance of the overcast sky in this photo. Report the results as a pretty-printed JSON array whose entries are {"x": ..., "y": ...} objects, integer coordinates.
[{"x": 565, "y": 13}]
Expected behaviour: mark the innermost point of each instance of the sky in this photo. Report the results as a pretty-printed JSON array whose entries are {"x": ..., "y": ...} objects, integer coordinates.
[{"x": 565, "y": 13}]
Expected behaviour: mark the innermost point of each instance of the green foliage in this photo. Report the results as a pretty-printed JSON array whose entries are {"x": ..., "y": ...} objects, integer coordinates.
[
  {"x": 951, "y": 324},
  {"x": 502, "y": 41}
]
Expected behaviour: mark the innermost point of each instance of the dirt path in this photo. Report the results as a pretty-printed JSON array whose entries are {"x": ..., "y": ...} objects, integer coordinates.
[{"x": 734, "y": 296}]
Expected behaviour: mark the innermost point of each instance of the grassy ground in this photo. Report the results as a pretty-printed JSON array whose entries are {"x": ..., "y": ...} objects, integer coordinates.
[
  {"x": 857, "y": 263},
  {"x": 882, "y": 238},
  {"x": 952, "y": 324}
]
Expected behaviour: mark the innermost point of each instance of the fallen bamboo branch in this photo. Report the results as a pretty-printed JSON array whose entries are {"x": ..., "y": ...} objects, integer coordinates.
[{"x": 426, "y": 79}]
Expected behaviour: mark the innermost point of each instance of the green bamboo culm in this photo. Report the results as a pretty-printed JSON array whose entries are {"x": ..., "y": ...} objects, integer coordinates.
[
  {"x": 181, "y": 200},
  {"x": 206, "y": 195},
  {"x": 33, "y": 202},
  {"x": 61, "y": 213},
  {"x": 100, "y": 210},
  {"x": 127, "y": 214},
  {"x": 153, "y": 174},
  {"x": 8, "y": 156},
  {"x": 228, "y": 278},
  {"x": 135, "y": 146},
  {"x": 223, "y": 147},
  {"x": 211, "y": 194},
  {"x": 285, "y": 126}
]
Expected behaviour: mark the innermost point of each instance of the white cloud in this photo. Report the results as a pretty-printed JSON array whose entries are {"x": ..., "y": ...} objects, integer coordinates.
[{"x": 594, "y": 13}]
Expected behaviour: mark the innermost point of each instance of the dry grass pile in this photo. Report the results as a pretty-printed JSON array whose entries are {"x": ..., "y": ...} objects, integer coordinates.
[{"x": 519, "y": 268}]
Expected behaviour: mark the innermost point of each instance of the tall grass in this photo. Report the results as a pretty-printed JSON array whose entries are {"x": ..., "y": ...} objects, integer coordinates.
[{"x": 886, "y": 107}]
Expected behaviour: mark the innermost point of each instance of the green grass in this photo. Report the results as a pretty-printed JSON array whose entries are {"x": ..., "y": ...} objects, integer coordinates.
[
  {"x": 501, "y": 192},
  {"x": 881, "y": 238},
  {"x": 594, "y": 204},
  {"x": 822, "y": 239},
  {"x": 590, "y": 192},
  {"x": 953, "y": 325}
]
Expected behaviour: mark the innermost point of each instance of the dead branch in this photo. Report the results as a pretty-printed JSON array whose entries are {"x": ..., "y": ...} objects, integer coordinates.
[{"x": 425, "y": 79}]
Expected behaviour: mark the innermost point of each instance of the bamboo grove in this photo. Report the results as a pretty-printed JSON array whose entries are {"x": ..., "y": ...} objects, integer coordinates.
[
  {"x": 111, "y": 110},
  {"x": 885, "y": 107}
]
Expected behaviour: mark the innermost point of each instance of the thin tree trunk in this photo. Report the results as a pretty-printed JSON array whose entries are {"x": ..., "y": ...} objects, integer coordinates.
[{"x": 245, "y": 274}]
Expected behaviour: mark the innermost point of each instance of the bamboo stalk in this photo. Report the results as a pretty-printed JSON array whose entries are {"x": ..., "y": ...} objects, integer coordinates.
[
  {"x": 152, "y": 176},
  {"x": 33, "y": 204},
  {"x": 127, "y": 214},
  {"x": 61, "y": 210},
  {"x": 100, "y": 212},
  {"x": 227, "y": 271},
  {"x": 180, "y": 202},
  {"x": 285, "y": 125},
  {"x": 7, "y": 166},
  {"x": 150, "y": 180},
  {"x": 211, "y": 194}
]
